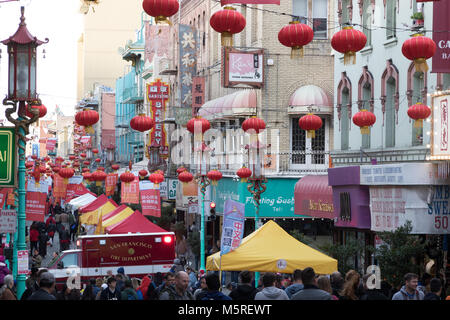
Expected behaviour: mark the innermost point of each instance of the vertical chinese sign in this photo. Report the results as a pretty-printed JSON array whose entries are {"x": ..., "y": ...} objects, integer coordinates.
[
  {"x": 233, "y": 226},
  {"x": 198, "y": 94},
  {"x": 158, "y": 95},
  {"x": 188, "y": 69},
  {"x": 110, "y": 183},
  {"x": 130, "y": 192}
]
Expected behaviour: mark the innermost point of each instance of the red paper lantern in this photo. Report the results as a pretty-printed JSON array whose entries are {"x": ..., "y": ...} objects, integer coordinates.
[
  {"x": 244, "y": 173},
  {"x": 98, "y": 160},
  {"x": 198, "y": 123},
  {"x": 56, "y": 169},
  {"x": 37, "y": 174},
  {"x": 160, "y": 9},
  {"x": 29, "y": 164},
  {"x": 296, "y": 35},
  {"x": 185, "y": 176},
  {"x": 214, "y": 176},
  {"x": 126, "y": 177},
  {"x": 156, "y": 178},
  {"x": 98, "y": 176},
  {"x": 87, "y": 176},
  {"x": 181, "y": 169},
  {"x": 72, "y": 158},
  {"x": 87, "y": 118},
  {"x": 227, "y": 22},
  {"x": 364, "y": 119},
  {"x": 310, "y": 123},
  {"x": 115, "y": 167},
  {"x": 253, "y": 125},
  {"x": 34, "y": 157},
  {"x": 59, "y": 159},
  {"x": 348, "y": 41},
  {"x": 86, "y": 163},
  {"x": 142, "y": 123},
  {"x": 94, "y": 151},
  {"x": 42, "y": 111},
  {"x": 83, "y": 155},
  {"x": 143, "y": 173},
  {"x": 419, "y": 112},
  {"x": 101, "y": 168},
  {"x": 66, "y": 173},
  {"x": 419, "y": 48},
  {"x": 85, "y": 169},
  {"x": 76, "y": 164}
]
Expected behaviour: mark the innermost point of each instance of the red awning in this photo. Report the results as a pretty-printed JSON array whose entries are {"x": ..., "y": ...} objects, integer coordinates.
[
  {"x": 313, "y": 197},
  {"x": 134, "y": 223}
]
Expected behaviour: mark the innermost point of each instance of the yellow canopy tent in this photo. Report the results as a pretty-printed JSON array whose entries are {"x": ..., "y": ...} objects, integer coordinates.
[
  {"x": 93, "y": 217},
  {"x": 123, "y": 212},
  {"x": 271, "y": 249}
]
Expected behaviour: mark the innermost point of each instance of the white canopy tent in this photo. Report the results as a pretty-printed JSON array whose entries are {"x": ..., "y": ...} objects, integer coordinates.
[{"x": 80, "y": 201}]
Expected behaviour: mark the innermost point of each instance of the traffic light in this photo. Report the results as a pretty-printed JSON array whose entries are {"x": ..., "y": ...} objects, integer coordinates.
[{"x": 212, "y": 210}]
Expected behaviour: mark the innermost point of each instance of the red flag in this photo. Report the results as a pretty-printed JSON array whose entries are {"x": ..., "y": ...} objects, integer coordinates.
[
  {"x": 225, "y": 2},
  {"x": 110, "y": 184},
  {"x": 35, "y": 206},
  {"x": 130, "y": 192},
  {"x": 151, "y": 202}
]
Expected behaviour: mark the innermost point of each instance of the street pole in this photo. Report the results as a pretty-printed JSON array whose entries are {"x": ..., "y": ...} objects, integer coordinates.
[{"x": 203, "y": 183}]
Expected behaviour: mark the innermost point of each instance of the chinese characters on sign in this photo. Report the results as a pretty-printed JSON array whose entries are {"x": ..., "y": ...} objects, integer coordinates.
[
  {"x": 22, "y": 262},
  {"x": 110, "y": 184},
  {"x": 441, "y": 22},
  {"x": 150, "y": 199},
  {"x": 233, "y": 226},
  {"x": 158, "y": 95},
  {"x": 243, "y": 67},
  {"x": 198, "y": 94},
  {"x": 8, "y": 221},
  {"x": 440, "y": 127},
  {"x": 35, "y": 206},
  {"x": 130, "y": 191},
  {"x": 188, "y": 69}
]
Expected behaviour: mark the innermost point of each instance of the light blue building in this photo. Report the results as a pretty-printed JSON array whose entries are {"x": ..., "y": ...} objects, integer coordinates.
[{"x": 130, "y": 144}]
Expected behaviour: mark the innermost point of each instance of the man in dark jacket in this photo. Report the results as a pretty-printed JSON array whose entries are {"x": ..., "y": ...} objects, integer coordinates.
[
  {"x": 337, "y": 282},
  {"x": 244, "y": 291},
  {"x": 213, "y": 284},
  {"x": 435, "y": 288},
  {"x": 64, "y": 239},
  {"x": 310, "y": 290},
  {"x": 43, "y": 238},
  {"x": 297, "y": 285},
  {"x": 46, "y": 287},
  {"x": 111, "y": 293}
]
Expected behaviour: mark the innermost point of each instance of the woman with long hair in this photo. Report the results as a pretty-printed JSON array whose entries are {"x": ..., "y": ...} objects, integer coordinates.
[{"x": 350, "y": 287}]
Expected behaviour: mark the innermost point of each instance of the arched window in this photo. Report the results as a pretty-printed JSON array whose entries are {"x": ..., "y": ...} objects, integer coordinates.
[
  {"x": 344, "y": 106},
  {"x": 390, "y": 101},
  {"x": 417, "y": 92},
  {"x": 366, "y": 99}
]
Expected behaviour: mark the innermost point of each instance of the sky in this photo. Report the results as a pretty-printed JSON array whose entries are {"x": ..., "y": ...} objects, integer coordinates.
[{"x": 60, "y": 22}]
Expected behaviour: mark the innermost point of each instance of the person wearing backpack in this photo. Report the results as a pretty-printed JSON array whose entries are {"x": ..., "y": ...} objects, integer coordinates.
[{"x": 128, "y": 292}]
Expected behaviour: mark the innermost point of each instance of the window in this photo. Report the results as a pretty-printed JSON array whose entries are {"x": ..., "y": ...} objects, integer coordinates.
[
  {"x": 418, "y": 85},
  {"x": 367, "y": 92},
  {"x": 446, "y": 81},
  {"x": 346, "y": 208},
  {"x": 70, "y": 259},
  {"x": 390, "y": 112},
  {"x": 345, "y": 16},
  {"x": 300, "y": 9},
  {"x": 344, "y": 119},
  {"x": 320, "y": 13},
  {"x": 308, "y": 151},
  {"x": 391, "y": 18},
  {"x": 367, "y": 21}
]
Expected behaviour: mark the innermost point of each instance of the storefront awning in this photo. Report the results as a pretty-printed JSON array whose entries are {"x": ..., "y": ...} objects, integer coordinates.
[
  {"x": 242, "y": 102},
  {"x": 310, "y": 98},
  {"x": 313, "y": 197}
]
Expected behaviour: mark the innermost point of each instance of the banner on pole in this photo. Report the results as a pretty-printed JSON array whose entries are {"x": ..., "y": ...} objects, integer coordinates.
[
  {"x": 233, "y": 226},
  {"x": 8, "y": 221},
  {"x": 150, "y": 199},
  {"x": 35, "y": 206},
  {"x": 59, "y": 188},
  {"x": 130, "y": 192},
  {"x": 22, "y": 262},
  {"x": 11, "y": 198},
  {"x": 110, "y": 184}
]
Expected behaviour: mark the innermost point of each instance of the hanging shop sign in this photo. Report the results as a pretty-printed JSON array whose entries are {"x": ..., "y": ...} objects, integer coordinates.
[
  {"x": 8, "y": 221},
  {"x": 111, "y": 183},
  {"x": 441, "y": 59},
  {"x": 8, "y": 168},
  {"x": 440, "y": 149},
  {"x": 50, "y": 144},
  {"x": 198, "y": 94},
  {"x": 188, "y": 69},
  {"x": 427, "y": 207},
  {"x": 158, "y": 96},
  {"x": 242, "y": 67},
  {"x": 35, "y": 206},
  {"x": 130, "y": 191}
]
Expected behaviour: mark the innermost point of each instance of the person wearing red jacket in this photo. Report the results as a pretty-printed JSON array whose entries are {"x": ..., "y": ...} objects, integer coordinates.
[{"x": 34, "y": 238}]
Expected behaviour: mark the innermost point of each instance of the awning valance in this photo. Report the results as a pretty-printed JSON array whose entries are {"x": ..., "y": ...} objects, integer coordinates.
[
  {"x": 313, "y": 197},
  {"x": 242, "y": 102},
  {"x": 310, "y": 98}
]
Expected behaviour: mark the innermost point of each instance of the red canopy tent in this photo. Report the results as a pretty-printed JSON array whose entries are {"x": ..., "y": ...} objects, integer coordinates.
[
  {"x": 100, "y": 201},
  {"x": 134, "y": 223}
]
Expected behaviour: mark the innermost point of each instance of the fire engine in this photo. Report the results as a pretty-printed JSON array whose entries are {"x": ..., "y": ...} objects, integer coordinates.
[{"x": 140, "y": 254}]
